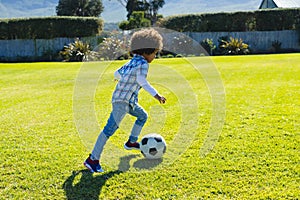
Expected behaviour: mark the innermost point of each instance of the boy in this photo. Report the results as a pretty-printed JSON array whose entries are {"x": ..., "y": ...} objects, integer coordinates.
[{"x": 132, "y": 77}]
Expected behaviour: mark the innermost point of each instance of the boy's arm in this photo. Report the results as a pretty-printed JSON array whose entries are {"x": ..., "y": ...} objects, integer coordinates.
[{"x": 142, "y": 81}]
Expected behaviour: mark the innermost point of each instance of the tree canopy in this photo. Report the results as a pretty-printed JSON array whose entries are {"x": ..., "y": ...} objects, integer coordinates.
[
  {"x": 149, "y": 7},
  {"x": 85, "y": 8},
  {"x": 137, "y": 20}
]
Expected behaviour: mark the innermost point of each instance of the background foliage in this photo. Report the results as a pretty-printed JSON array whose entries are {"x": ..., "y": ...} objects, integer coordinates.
[
  {"x": 86, "y": 8},
  {"x": 49, "y": 27},
  {"x": 235, "y": 47},
  {"x": 136, "y": 20},
  {"x": 262, "y": 20},
  {"x": 75, "y": 51},
  {"x": 148, "y": 7}
]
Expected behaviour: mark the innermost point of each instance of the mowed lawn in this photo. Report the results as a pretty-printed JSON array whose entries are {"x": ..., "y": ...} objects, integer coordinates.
[{"x": 256, "y": 155}]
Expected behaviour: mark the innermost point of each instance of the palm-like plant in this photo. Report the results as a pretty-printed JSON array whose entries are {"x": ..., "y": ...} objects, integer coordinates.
[
  {"x": 75, "y": 51},
  {"x": 235, "y": 46}
]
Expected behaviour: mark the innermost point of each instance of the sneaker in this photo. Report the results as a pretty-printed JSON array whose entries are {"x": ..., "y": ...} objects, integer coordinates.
[
  {"x": 93, "y": 165},
  {"x": 129, "y": 146}
]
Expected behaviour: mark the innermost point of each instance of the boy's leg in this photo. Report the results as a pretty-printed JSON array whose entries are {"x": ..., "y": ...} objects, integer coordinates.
[
  {"x": 142, "y": 117},
  {"x": 99, "y": 145},
  {"x": 116, "y": 116}
]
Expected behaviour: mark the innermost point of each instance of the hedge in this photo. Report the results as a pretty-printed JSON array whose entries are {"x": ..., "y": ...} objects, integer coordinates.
[
  {"x": 49, "y": 27},
  {"x": 260, "y": 20}
]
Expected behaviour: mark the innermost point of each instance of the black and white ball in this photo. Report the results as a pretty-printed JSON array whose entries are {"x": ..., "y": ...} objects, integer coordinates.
[{"x": 153, "y": 146}]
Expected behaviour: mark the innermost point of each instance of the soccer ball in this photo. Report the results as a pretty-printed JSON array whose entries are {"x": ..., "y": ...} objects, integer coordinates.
[{"x": 153, "y": 146}]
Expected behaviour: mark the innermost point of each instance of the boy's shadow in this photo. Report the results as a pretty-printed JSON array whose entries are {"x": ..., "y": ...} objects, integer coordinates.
[{"x": 89, "y": 187}]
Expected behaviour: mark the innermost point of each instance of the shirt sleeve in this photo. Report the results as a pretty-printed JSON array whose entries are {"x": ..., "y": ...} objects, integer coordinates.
[
  {"x": 117, "y": 75},
  {"x": 142, "y": 81}
]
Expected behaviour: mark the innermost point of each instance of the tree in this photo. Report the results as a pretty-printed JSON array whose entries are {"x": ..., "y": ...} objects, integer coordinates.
[
  {"x": 136, "y": 5},
  {"x": 155, "y": 5},
  {"x": 85, "y": 8},
  {"x": 149, "y": 7},
  {"x": 137, "y": 20}
]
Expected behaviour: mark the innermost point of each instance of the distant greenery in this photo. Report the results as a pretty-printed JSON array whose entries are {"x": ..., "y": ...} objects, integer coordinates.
[
  {"x": 256, "y": 156},
  {"x": 148, "y": 7},
  {"x": 235, "y": 46},
  {"x": 49, "y": 27},
  {"x": 76, "y": 51},
  {"x": 260, "y": 20},
  {"x": 208, "y": 45},
  {"x": 141, "y": 13},
  {"x": 136, "y": 20},
  {"x": 83, "y": 8},
  {"x": 276, "y": 45}
]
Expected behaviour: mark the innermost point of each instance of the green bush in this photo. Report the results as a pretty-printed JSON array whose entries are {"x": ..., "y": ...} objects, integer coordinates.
[
  {"x": 112, "y": 48},
  {"x": 219, "y": 50},
  {"x": 76, "y": 51},
  {"x": 49, "y": 27},
  {"x": 235, "y": 47},
  {"x": 181, "y": 44},
  {"x": 261, "y": 20},
  {"x": 208, "y": 45},
  {"x": 137, "y": 20},
  {"x": 179, "y": 56},
  {"x": 4, "y": 30},
  {"x": 277, "y": 19},
  {"x": 276, "y": 45}
]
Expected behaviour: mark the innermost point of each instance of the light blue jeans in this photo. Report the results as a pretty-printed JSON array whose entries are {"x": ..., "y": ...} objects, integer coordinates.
[{"x": 118, "y": 113}]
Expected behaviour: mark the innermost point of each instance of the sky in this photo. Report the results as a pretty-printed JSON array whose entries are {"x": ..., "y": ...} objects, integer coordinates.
[{"x": 115, "y": 12}]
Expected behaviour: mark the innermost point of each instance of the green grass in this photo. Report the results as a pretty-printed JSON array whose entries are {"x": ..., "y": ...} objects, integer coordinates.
[{"x": 256, "y": 155}]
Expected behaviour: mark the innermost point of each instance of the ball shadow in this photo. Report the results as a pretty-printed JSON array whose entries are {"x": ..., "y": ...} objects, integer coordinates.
[{"x": 147, "y": 163}]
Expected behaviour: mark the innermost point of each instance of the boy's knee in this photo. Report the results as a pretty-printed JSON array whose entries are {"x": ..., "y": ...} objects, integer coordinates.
[
  {"x": 110, "y": 130},
  {"x": 142, "y": 119}
]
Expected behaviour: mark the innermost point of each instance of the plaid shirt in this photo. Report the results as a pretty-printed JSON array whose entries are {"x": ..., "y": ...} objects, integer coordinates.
[{"x": 128, "y": 88}]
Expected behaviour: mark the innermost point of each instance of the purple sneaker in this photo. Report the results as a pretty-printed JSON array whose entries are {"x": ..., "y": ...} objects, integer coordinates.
[
  {"x": 93, "y": 165},
  {"x": 129, "y": 145}
]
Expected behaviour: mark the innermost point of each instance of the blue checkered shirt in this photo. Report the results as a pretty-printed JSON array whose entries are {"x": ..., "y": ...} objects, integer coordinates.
[{"x": 128, "y": 88}]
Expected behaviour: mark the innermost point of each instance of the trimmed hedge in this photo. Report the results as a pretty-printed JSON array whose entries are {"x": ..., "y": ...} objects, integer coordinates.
[
  {"x": 260, "y": 20},
  {"x": 49, "y": 27}
]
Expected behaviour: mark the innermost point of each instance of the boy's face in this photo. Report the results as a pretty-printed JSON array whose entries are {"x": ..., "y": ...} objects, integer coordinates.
[{"x": 150, "y": 57}]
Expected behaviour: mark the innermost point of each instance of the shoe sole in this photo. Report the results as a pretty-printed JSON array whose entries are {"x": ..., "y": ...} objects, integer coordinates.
[
  {"x": 88, "y": 167},
  {"x": 130, "y": 148},
  {"x": 91, "y": 169}
]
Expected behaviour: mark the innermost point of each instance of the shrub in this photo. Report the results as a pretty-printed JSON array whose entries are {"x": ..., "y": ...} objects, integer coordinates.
[
  {"x": 181, "y": 44},
  {"x": 49, "y": 27},
  {"x": 276, "y": 45},
  {"x": 76, "y": 51},
  {"x": 179, "y": 56},
  {"x": 262, "y": 20},
  {"x": 208, "y": 45},
  {"x": 235, "y": 47},
  {"x": 137, "y": 20},
  {"x": 221, "y": 41},
  {"x": 112, "y": 48}
]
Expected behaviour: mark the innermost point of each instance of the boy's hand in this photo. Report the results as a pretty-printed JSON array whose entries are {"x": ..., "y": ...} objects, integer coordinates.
[{"x": 161, "y": 99}]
